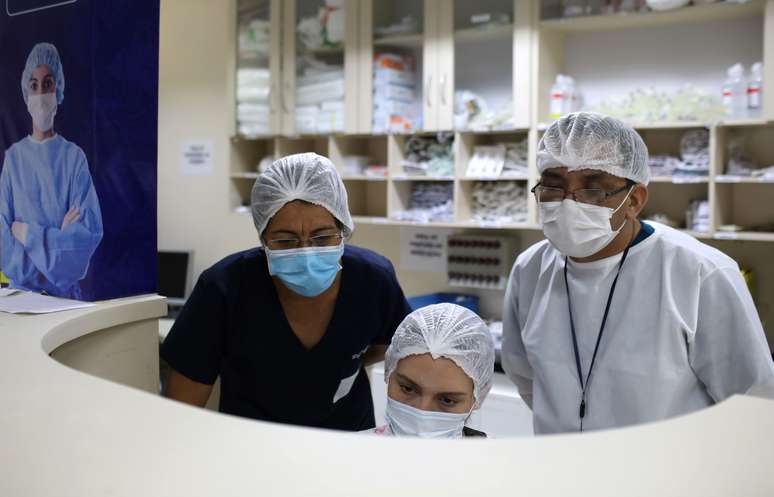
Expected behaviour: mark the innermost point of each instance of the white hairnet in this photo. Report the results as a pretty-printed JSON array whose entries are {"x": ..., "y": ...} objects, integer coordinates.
[
  {"x": 586, "y": 140},
  {"x": 450, "y": 331},
  {"x": 308, "y": 177},
  {"x": 44, "y": 53}
]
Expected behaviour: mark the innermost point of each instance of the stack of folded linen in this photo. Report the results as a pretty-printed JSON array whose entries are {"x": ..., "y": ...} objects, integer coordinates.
[
  {"x": 320, "y": 98},
  {"x": 253, "y": 102}
]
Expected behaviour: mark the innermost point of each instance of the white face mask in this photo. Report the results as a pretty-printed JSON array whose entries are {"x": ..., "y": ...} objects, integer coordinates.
[
  {"x": 577, "y": 229},
  {"x": 42, "y": 108},
  {"x": 405, "y": 420}
]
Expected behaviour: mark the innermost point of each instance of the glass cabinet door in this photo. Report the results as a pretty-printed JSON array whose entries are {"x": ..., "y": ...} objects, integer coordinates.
[
  {"x": 257, "y": 112},
  {"x": 396, "y": 31},
  {"x": 483, "y": 85},
  {"x": 316, "y": 59}
]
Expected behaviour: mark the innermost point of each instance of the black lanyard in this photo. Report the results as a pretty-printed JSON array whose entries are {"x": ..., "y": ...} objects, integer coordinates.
[{"x": 584, "y": 385}]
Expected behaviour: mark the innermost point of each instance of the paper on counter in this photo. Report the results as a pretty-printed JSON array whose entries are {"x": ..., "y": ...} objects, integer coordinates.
[{"x": 17, "y": 302}]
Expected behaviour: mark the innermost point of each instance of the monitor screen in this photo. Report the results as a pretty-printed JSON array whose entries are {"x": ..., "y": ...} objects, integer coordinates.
[{"x": 173, "y": 273}]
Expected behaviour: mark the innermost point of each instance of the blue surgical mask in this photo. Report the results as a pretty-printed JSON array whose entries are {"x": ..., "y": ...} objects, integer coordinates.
[
  {"x": 405, "y": 420},
  {"x": 307, "y": 271}
]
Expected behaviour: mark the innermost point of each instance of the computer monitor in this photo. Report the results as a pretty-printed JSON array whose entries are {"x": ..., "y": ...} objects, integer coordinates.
[{"x": 174, "y": 275}]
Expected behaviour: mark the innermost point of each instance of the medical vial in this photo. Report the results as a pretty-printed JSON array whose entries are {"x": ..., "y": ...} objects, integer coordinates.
[
  {"x": 735, "y": 92},
  {"x": 558, "y": 97},
  {"x": 754, "y": 89}
]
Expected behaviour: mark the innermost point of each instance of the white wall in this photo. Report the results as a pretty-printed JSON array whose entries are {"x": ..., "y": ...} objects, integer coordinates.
[
  {"x": 613, "y": 63},
  {"x": 195, "y": 77}
]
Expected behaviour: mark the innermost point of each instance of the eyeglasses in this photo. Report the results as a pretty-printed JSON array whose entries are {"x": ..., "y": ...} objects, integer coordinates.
[
  {"x": 324, "y": 240},
  {"x": 593, "y": 196}
]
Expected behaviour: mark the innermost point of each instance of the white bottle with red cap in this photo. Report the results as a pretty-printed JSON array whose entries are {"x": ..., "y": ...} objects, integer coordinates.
[
  {"x": 735, "y": 92},
  {"x": 754, "y": 90},
  {"x": 559, "y": 97}
]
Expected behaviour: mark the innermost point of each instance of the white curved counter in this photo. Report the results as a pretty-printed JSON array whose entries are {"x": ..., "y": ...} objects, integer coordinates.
[{"x": 67, "y": 433}]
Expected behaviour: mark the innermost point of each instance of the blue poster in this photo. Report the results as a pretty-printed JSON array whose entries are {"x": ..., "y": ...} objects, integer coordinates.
[{"x": 78, "y": 146}]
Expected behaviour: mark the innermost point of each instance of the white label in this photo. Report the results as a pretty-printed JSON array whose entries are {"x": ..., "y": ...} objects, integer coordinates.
[
  {"x": 557, "y": 104},
  {"x": 423, "y": 249},
  {"x": 754, "y": 96},
  {"x": 196, "y": 157},
  {"x": 345, "y": 386},
  {"x": 726, "y": 236}
]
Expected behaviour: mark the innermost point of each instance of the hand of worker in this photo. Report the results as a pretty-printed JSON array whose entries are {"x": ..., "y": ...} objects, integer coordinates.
[
  {"x": 71, "y": 217},
  {"x": 19, "y": 231}
]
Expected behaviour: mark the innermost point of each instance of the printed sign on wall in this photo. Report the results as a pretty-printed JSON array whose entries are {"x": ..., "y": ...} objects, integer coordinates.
[{"x": 423, "y": 249}]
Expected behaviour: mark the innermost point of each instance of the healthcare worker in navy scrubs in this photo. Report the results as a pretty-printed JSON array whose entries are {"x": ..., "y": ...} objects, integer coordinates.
[{"x": 290, "y": 326}]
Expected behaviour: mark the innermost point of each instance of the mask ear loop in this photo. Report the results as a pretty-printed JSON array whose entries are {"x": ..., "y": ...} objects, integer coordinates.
[
  {"x": 625, "y": 198},
  {"x": 626, "y": 219},
  {"x": 470, "y": 412}
]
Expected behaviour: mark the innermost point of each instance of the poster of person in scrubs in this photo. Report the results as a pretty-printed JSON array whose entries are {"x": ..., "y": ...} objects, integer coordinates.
[
  {"x": 79, "y": 147},
  {"x": 50, "y": 218}
]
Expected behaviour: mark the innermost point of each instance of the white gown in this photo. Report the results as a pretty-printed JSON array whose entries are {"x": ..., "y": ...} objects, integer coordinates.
[{"x": 682, "y": 334}]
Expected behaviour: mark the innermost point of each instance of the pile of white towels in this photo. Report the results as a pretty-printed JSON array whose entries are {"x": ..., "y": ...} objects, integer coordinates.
[
  {"x": 320, "y": 97},
  {"x": 253, "y": 102}
]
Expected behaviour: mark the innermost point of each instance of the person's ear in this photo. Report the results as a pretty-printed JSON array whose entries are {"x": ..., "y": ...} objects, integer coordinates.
[{"x": 637, "y": 200}]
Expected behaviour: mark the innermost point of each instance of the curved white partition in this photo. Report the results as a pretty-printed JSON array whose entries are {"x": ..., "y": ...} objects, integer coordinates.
[{"x": 67, "y": 433}]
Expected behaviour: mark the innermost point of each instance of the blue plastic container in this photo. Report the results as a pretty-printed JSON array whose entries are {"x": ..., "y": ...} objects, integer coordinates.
[{"x": 469, "y": 301}]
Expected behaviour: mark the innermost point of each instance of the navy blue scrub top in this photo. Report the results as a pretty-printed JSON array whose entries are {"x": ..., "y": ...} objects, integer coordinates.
[{"x": 233, "y": 325}]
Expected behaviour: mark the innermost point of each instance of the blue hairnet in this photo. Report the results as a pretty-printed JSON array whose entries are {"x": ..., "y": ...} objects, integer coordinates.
[{"x": 44, "y": 53}]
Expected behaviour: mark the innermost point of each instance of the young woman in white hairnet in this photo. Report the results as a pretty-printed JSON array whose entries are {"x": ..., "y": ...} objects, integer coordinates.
[
  {"x": 289, "y": 327},
  {"x": 438, "y": 368},
  {"x": 50, "y": 219},
  {"x": 614, "y": 321}
]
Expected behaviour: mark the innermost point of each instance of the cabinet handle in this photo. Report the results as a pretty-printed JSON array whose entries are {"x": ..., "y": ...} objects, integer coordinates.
[
  {"x": 443, "y": 90},
  {"x": 428, "y": 94},
  {"x": 283, "y": 98}
]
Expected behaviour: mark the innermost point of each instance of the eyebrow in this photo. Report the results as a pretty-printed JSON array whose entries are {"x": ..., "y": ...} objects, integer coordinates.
[
  {"x": 325, "y": 228},
  {"x": 601, "y": 178},
  {"x": 283, "y": 232},
  {"x": 47, "y": 75},
  {"x": 551, "y": 175},
  {"x": 414, "y": 384},
  {"x": 406, "y": 379},
  {"x": 595, "y": 177},
  {"x": 453, "y": 394}
]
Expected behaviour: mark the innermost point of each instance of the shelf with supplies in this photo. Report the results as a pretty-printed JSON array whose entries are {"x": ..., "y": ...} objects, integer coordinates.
[
  {"x": 383, "y": 197},
  {"x": 719, "y": 11},
  {"x": 384, "y": 172}
]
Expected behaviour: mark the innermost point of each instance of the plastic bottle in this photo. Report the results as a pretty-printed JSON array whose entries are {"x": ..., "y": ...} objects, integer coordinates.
[
  {"x": 754, "y": 89},
  {"x": 558, "y": 97},
  {"x": 571, "y": 96},
  {"x": 735, "y": 92}
]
